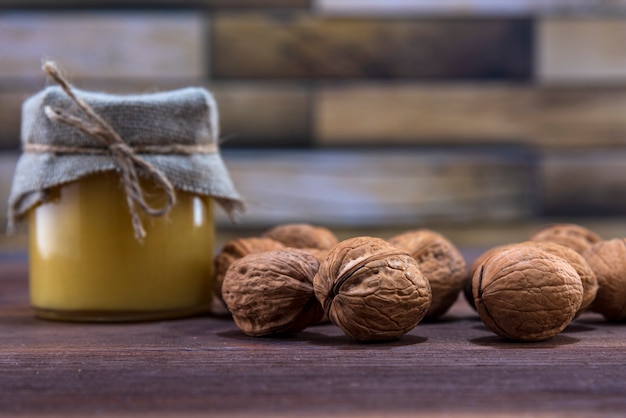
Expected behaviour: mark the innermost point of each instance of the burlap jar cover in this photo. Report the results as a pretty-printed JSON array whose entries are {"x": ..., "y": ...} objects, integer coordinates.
[{"x": 169, "y": 137}]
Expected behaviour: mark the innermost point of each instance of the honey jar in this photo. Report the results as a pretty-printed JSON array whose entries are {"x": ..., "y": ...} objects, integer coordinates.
[{"x": 118, "y": 195}]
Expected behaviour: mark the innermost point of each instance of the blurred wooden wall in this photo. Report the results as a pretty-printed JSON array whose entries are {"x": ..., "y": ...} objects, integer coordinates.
[{"x": 356, "y": 114}]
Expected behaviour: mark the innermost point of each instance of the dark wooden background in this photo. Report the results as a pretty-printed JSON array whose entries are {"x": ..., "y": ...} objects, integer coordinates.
[{"x": 363, "y": 113}]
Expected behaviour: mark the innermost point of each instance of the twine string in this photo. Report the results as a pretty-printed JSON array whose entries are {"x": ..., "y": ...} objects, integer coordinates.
[{"x": 125, "y": 157}]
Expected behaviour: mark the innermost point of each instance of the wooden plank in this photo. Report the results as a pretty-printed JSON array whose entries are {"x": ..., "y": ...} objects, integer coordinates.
[
  {"x": 206, "y": 366},
  {"x": 8, "y": 161},
  {"x": 144, "y": 45},
  {"x": 591, "y": 183},
  {"x": 581, "y": 50},
  {"x": 581, "y": 117},
  {"x": 382, "y": 188},
  {"x": 409, "y": 113},
  {"x": 10, "y": 117},
  {"x": 263, "y": 115},
  {"x": 151, "y": 4},
  {"x": 299, "y": 45},
  {"x": 470, "y": 7}
]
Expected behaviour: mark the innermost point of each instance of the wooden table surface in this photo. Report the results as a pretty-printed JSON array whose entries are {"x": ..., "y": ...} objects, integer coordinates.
[{"x": 205, "y": 366}]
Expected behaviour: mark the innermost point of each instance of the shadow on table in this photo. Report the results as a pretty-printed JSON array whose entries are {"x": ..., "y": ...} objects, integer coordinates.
[
  {"x": 339, "y": 341},
  {"x": 499, "y": 342}
]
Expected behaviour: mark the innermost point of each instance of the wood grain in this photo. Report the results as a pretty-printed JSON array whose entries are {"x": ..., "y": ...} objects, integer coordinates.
[
  {"x": 382, "y": 188},
  {"x": 263, "y": 115},
  {"x": 590, "y": 117},
  {"x": 471, "y": 7},
  {"x": 551, "y": 117},
  {"x": 581, "y": 50},
  {"x": 298, "y": 45},
  {"x": 205, "y": 366},
  {"x": 152, "y": 4},
  {"x": 11, "y": 117},
  {"x": 591, "y": 183},
  {"x": 133, "y": 45},
  {"x": 412, "y": 113}
]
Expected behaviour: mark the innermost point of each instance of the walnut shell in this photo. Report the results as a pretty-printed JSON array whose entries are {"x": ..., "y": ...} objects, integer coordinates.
[
  {"x": 271, "y": 293},
  {"x": 608, "y": 260},
  {"x": 440, "y": 262},
  {"x": 573, "y": 236},
  {"x": 478, "y": 261},
  {"x": 372, "y": 290},
  {"x": 302, "y": 236},
  {"x": 586, "y": 274},
  {"x": 318, "y": 253},
  {"x": 526, "y": 294},
  {"x": 236, "y": 249}
]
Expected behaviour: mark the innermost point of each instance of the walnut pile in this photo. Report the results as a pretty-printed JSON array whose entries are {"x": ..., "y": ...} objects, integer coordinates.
[
  {"x": 608, "y": 261},
  {"x": 573, "y": 236},
  {"x": 440, "y": 262},
  {"x": 524, "y": 293},
  {"x": 271, "y": 293},
  {"x": 302, "y": 236},
  {"x": 234, "y": 250},
  {"x": 372, "y": 290}
]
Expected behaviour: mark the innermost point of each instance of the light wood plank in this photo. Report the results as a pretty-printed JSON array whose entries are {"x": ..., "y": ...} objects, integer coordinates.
[
  {"x": 470, "y": 7},
  {"x": 581, "y": 50},
  {"x": 140, "y": 45},
  {"x": 407, "y": 113},
  {"x": 150, "y": 4},
  {"x": 382, "y": 188},
  {"x": 581, "y": 117}
]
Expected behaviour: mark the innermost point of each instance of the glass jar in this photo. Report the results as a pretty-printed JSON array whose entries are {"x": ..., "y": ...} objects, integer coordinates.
[
  {"x": 86, "y": 265},
  {"x": 118, "y": 193}
]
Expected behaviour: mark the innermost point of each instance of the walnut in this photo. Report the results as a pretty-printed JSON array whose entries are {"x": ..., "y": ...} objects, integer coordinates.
[
  {"x": 576, "y": 237},
  {"x": 372, "y": 290},
  {"x": 586, "y": 274},
  {"x": 527, "y": 294},
  {"x": 302, "y": 236},
  {"x": 236, "y": 249},
  {"x": 440, "y": 262},
  {"x": 606, "y": 259},
  {"x": 271, "y": 293}
]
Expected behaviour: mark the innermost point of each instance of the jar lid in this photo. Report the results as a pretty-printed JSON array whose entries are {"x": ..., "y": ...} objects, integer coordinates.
[{"x": 173, "y": 132}]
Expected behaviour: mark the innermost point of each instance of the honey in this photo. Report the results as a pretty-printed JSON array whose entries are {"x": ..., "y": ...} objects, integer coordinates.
[
  {"x": 118, "y": 194},
  {"x": 85, "y": 263}
]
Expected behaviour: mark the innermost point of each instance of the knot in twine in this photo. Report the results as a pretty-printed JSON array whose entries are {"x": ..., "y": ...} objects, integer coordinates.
[{"x": 127, "y": 161}]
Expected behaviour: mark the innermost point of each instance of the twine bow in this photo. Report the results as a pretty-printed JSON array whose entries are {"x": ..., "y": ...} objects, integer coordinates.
[{"x": 127, "y": 161}]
